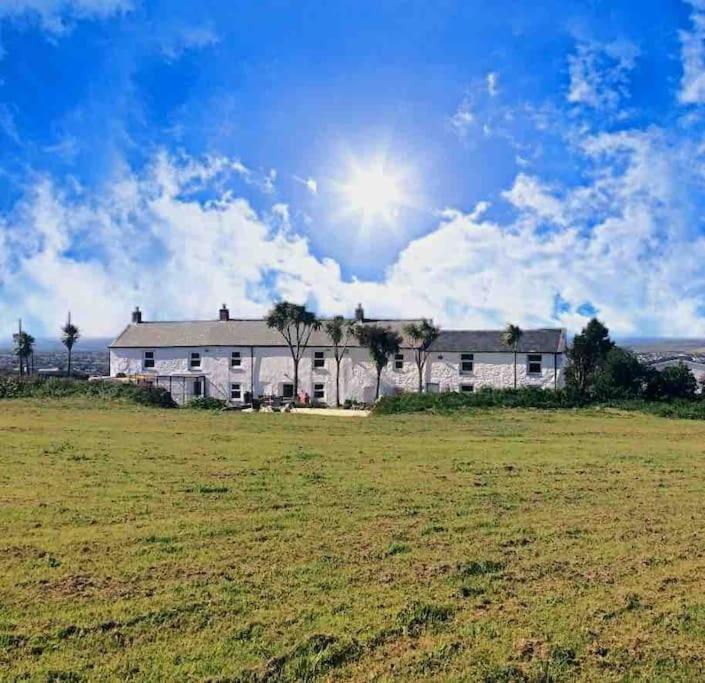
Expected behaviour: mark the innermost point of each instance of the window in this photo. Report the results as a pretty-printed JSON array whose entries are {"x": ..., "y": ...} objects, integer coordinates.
[
  {"x": 534, "y": 363},
  {"x": 235, "y": 392},
  {"x": 319, "y": 392},
  {"x": 235, "y": 359},
  {"x": 195, "y": 361},
  {"x": 148, "y": 361},
  {"x": 319, "y": 359},
  {"x": 466, "y": 362},
  {"x": 467, "y": 388},
  {"x": 287, "y": 390},
  {"x": 398, "y": 361}
]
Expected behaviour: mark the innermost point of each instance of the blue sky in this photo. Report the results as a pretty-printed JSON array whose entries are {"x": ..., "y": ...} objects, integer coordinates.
[{"x": 538, "y": 163}]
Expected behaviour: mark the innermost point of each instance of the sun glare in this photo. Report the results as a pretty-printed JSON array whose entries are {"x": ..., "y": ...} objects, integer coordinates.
[{"x": 374, "y": 192}]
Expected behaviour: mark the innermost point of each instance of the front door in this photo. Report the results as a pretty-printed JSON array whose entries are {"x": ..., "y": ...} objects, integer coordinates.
[{"x": 198, "y": 387}]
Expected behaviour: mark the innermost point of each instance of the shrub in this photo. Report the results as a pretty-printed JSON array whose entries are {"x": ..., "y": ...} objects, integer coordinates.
[
  {"x": 545, "y": 399},
  {"x": 673, "y": 382},
  {"x": 60, "y": 387},
  {"x": 484, "y": 398},
  {"x": 620, "y": 375},
  {"x": 206, "y": 403}
]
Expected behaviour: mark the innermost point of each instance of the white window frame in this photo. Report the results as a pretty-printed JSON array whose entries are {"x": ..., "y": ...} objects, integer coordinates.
[
  {"x": 145, "y": 360},
  {"x": 467, "y": 358},
  {"x": 530, "y": 362},
  {"x": 319, "y": 360},
  {"x": 235, "y": 359},
  {"x": 322, "y": 391},
  {"x": 398, "y": 361},
  {"x": 235, "y": 391},
  {"x": 194, "y": 356},
  {"x": 467, "y": 388}
]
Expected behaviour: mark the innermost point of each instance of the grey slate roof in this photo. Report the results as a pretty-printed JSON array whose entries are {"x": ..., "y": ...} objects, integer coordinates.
[
  {"x": 255, "y": 332},
  {"x": 548, "y": 340},
  {"x": 220, "y": 333}
]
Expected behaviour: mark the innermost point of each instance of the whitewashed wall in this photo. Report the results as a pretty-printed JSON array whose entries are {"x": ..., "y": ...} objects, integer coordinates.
[
  {"x": 494, "y": 370},
  {"x": 273, "y": 367}
]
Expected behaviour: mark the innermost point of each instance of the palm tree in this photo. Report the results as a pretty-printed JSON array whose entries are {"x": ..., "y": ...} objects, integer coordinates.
[
  {"x": 382, "y": 343},
  {"x": 296, "y": 325},
  {"x": 422, "y": 335},
  {"x": 69, "y": 336},
  {"x": 24, "y": 349},
  {"x": 340, "y": 331},
  {"x": 511, "y": 337}
]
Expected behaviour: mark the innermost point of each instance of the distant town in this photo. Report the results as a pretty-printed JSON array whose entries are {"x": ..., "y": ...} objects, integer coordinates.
[{"x": 90, "y": 358}]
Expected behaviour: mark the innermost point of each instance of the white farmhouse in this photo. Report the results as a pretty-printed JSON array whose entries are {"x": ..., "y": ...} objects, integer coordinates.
[{"x": 235, "y": 359}]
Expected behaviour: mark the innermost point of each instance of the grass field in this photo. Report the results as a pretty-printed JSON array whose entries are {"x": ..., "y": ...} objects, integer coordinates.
[{"x": 145, "y": 544}]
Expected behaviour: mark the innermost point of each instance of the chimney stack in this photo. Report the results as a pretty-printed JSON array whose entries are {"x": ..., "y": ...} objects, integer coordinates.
[
  {"x": 359, "y": 313},
  {"x": 137, "y": 316},
  {"x": 224, "y": 313}
]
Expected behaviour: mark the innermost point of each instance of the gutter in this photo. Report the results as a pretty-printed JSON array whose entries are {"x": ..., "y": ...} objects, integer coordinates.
[{"x": 252, "y": 373}]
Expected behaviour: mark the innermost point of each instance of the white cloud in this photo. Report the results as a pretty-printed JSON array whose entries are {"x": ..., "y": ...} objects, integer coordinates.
[
  {"x": 599, "y": 73},
  {"x": 492, "y": 83},
  {"x": 625, "y": 241},
  {"x": 692, "y": 90},
  {"x": 531, "y": 195},
  {"x": 462, "y": 119},
  {"x": 56, "y": 16},
  {"x": 310, "y": 183},
  {"x": 188, "y": 38}
]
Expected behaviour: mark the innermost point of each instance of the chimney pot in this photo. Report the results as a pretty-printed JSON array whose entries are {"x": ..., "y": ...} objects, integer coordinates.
[
  {"x": 137, "y": 315},
  {"x": 224, "y": 313}
]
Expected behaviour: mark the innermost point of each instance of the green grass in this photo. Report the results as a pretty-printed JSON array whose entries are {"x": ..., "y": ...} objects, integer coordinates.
[{"x": 505, "y": 545}]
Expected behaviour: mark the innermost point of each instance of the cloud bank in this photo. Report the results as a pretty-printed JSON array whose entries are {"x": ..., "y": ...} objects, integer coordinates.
[{"x": 623, "y": 243}]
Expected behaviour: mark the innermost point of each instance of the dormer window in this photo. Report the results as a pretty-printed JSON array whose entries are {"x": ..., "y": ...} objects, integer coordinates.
[
  {"x": 195, "y": 361},
  {"x": 148, "y": 360}
]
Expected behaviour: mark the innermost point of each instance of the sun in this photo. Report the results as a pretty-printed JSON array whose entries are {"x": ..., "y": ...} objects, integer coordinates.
[{"x": 373, "y": 191}]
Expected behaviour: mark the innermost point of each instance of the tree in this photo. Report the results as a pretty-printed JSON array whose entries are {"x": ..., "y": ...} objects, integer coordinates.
[
  {"x": 588, "y": 350},
  {"x": 422, "y": 335},
  {"x": 620, "y": 375},
  {"x": 511, "y": 337},
  {"x": 381, "y": 342},
  {"x": 24, "y": 349},
  {"x": 69, "y": 336},
  {"x": 674, "y": 381},
  {"x": 296, "y": 325},
  {"x": 340, "y": 332}
]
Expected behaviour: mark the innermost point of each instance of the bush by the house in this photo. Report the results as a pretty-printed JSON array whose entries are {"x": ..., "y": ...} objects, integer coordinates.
[
  {"x": 206, "y": 403},
  {"x": 484, "y": 398},
  {"x": 59, "y": 387}
]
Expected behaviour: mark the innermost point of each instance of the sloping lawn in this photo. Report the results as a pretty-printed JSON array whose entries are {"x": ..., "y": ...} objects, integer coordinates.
[{"x": 145, "y": 544}]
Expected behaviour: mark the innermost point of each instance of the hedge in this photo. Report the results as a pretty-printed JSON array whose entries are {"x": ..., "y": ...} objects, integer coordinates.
[
  {"x": 55, "y": 387},
  {"x": 546, "y": 399}
]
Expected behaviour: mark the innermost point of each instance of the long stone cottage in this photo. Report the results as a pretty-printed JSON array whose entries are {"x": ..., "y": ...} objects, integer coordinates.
[{"x": 236, "y": 359}]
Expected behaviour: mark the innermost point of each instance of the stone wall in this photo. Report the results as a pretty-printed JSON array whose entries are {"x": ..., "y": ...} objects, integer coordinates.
[{"x": 263, "y": 370}]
